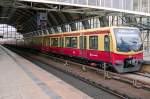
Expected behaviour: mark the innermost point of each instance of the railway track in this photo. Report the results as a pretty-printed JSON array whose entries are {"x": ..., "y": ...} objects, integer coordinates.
[
  {"x": 144, "y": 74},
  {"x": 138, "y": 83},
  {"x": 104, "y": 74}
]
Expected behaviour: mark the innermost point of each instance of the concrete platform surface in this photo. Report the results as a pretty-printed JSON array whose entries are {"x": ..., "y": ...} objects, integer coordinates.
[{"x": 21, "y": 79}]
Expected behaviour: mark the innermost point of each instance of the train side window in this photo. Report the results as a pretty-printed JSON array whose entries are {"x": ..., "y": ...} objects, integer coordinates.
[
  {"x": 71, "y": 42},
  {"x": 83, "y": 42},
  {"x": 49, "y": 41},
  {"x": 67, "y": 40},
  {"x": 54, "y": 41},
  {"x": 35, "y": 41},
  {"x": 107, "y": 43},
  {"x": 44, "y": 41},
  {"x": 62, "y": 42},
  {"x": 93, "y": 42},
  {"x": 40, "y": 41}
]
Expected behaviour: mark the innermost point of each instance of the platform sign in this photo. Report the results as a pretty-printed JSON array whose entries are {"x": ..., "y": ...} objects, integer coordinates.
[{"x": 42, "y": 20}]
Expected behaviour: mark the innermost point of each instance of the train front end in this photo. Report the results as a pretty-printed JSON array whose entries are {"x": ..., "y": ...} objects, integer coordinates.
[{"x": 128, "y": 49}]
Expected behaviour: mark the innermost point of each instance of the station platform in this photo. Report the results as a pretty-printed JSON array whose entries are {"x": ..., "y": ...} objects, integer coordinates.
[{"x": 21, "y": 79}]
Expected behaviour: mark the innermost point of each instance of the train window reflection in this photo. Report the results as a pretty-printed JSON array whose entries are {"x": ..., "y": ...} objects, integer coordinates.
[
  {"x": 71, "y": 42},
  {"x": 93, "y": 42},
  {"x": 54, "y": 42},
  {"x": 128, "y": 40}
]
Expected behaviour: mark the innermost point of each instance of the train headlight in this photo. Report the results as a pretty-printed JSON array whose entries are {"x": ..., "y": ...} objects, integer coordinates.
[{"x": 119, "y": 63}]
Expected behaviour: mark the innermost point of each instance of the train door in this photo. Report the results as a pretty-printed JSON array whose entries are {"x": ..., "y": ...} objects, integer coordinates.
[
  {"x": 93, "y": 47},
  {"x": 107, "y": 54},
  {"x": 83, "y": 46}
]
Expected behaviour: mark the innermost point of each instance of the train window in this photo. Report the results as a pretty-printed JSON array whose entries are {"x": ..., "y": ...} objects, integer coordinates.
[
  {"x": 34, "y": 41},
  {"x": 71, "y": 42},
  {"x": 47, "y": 41},
  {"x": 93, "y": 42},
  {"x": 83, "y": 42},
  {"x": 40, "y": 41},
  {"x": 44, "y": 42},
  {"x": 106, "y": 43},
  {"x": 54, "y": 41},
  {"x": 62, "y": 42}
]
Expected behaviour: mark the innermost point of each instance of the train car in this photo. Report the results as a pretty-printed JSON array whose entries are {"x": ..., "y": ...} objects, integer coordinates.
[{"x": 120, "y": 48}]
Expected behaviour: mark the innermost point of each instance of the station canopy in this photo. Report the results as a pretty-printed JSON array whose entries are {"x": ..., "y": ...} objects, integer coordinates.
[{"x": 25, "y": 15}]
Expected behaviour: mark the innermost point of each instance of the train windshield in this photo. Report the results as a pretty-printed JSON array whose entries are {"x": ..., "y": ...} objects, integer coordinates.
[{"x": 128, "y": 40}]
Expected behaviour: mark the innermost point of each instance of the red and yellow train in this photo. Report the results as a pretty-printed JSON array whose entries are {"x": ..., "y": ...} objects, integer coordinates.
[{"x": 120, "y": 48}]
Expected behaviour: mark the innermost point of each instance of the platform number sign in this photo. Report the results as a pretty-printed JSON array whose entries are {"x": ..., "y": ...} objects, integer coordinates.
[{"x": 42, "y": 20}]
